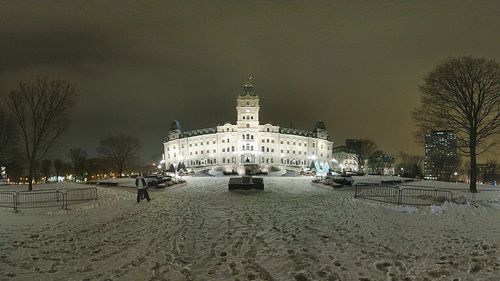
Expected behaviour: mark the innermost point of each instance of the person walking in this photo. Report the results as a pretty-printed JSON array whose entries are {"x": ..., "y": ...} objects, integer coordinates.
[{"x": 142, "y": 188}]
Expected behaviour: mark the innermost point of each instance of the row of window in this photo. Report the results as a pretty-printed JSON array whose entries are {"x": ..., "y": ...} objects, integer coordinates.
[
  {"x": 247, "y": 147},
  {"x": 229, "y": 160},
  {"x": 233, "y": 160},
  {"x": 246, "y": 137},
  {"x": 244, "y": 148},
  {"x": 227, "y": 149},
  {"x": 293, "y": 162},
  {"x": 266, "y": 149}
]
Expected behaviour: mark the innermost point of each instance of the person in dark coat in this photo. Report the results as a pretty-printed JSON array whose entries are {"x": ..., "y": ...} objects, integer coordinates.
[{"x": 142, "y": 188}]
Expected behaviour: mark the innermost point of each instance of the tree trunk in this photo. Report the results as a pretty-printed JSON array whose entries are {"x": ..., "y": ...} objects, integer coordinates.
[
  {"x": 473, "y": 168},
  {"x": 30, "y": 175}
]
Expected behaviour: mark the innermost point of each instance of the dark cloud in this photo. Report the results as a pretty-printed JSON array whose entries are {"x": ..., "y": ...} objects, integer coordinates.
[
  {"x": 141, "y": 64},
  {"x": 58, "y": 46}
]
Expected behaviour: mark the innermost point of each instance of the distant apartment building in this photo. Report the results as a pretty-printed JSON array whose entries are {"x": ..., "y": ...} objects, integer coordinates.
[{"x": 441, "y": 158}]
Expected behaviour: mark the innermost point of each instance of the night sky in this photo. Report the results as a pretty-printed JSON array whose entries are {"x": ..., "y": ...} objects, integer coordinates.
[{"x": 141, "y": 64}]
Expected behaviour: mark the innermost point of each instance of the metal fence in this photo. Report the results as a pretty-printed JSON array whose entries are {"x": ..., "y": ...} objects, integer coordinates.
[
  {"x": 47, "y": 198},
  {"x": 402, "y": 195}
]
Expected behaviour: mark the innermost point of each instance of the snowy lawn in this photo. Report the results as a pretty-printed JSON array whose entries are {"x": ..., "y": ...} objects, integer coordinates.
[{"x": 291, "y": 231}]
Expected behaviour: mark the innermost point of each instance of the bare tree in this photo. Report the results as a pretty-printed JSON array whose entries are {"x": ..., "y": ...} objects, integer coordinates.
[
  {"x": 409, "y": 165},
  {"x": 121, "y": 148},
  {"x": 40, "y": 109},
  {"x": 58, "y": 167},
  {"x": 46, "y": 168},
  {"x": 7, "y": 135},
  {"x": 15, "y": 171},
  {"x": 462, "y": 94},
  {"x": 364, "y": 151},
  {"x": 379, "y": 161},
  {"x": 77, "y": 158}
]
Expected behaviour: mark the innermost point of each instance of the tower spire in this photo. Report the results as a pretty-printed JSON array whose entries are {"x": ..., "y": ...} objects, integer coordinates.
[
  {"x": 248, "y": 88},
  {"x": 249, "y": 81}
]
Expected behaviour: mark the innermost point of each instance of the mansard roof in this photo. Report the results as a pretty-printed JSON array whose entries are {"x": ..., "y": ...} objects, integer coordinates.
[
  {"x": 199, "y": 132},
  {"x": 297, "y": 132}
]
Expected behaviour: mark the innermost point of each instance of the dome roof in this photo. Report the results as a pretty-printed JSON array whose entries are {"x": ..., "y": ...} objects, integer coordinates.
[
  {"x": 319, "y": 125},
  {"x": 248, "y": 88},
  {"x": 175, "y": 126}
]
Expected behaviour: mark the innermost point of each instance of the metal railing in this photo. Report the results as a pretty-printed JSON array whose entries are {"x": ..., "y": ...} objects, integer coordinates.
[
  {"x": 47, "y": 198},
  {"x": 7, "y": 199},
  {"x": 382, "y": 193},
  {"x": 402, "y": 195},
  {"x": 80, "y": 194}
]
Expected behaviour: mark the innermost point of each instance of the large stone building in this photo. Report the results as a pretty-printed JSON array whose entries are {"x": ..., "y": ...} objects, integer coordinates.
[
  {"x": 441, "y": 158},
  {"x": 247, "y": 142}
]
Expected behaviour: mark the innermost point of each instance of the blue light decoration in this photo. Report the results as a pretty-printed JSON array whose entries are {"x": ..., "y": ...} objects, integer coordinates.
[
  {"x": 317, "y": 167},
  {"x": 326, "y": 168}
]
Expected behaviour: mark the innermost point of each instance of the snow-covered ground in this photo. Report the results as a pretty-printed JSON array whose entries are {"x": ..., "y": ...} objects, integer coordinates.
[{"x": 291, "y": 231}]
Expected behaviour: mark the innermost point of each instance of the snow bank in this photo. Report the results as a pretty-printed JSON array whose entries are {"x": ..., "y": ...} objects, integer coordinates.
[{"x": 290, "y": 231}]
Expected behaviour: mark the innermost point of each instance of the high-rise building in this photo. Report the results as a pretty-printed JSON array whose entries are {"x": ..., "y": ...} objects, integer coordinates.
[
  {"x": 441, "y": 158},
  {"x": 248, "y": 141}
]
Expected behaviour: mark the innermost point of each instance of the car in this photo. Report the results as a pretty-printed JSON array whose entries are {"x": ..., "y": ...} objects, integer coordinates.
[{"x": 343, "y": 180}]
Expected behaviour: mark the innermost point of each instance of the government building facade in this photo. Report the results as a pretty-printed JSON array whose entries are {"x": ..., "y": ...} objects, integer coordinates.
[{"x": 248, "y": 142}]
